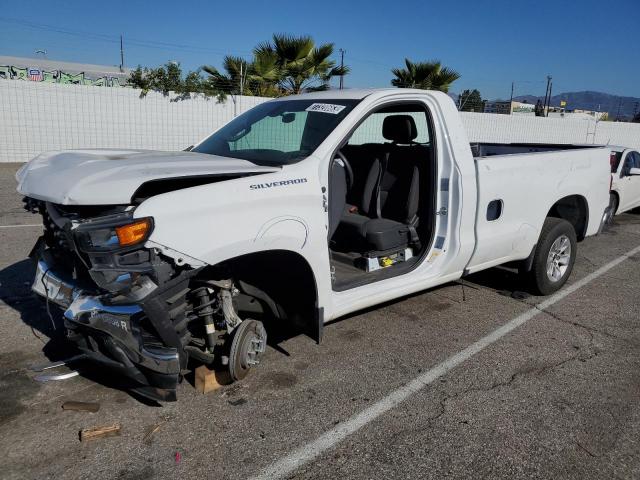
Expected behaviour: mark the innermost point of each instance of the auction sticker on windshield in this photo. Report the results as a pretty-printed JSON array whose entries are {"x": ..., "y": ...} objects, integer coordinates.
[{"x": 325, "y": 108}]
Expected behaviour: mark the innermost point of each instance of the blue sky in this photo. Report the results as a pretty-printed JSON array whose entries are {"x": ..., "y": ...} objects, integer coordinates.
[{"x": 583, "y": 44}]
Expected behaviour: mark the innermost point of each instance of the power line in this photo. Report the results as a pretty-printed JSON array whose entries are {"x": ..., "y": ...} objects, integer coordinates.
[
  {"x": 363, "y": 60},
  {"x": 159, "y": 45},
  {"x": 115, "y": 39}
]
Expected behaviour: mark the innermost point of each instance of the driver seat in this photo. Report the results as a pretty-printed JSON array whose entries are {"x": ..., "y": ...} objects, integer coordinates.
[{"x": 386, "y": 218}]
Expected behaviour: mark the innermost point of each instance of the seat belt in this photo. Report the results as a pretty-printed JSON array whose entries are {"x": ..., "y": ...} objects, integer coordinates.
[
  {"x": 413, "y": 233},
  {"x": 383, "y": 169}
]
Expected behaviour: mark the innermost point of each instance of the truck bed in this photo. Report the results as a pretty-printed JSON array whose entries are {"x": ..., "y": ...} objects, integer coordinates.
[
  {"x": 518, "y": 184},
  {"x": 492, "y": 149}
]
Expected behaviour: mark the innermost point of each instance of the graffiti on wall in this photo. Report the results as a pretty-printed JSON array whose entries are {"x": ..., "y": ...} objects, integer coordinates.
[{"x": 9, "y": 72}]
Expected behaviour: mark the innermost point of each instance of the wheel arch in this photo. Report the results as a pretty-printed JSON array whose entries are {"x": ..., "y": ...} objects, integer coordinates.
[
  {"x": 282, "y": 280},
  {"x": 575, "y": 210}
]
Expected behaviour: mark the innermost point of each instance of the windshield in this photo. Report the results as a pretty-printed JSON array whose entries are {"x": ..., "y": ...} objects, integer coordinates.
[{"x": 278, "y": 132}]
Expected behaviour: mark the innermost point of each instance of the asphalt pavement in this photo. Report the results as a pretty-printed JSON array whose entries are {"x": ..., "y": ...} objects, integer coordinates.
[{"x": 557, "y": 396}]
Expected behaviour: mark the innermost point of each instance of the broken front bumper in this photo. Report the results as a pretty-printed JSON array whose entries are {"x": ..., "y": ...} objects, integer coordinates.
[{"x": 112, "y": 335}]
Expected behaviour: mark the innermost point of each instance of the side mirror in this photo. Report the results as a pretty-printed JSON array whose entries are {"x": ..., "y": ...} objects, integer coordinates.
[{"x": 634, "y": 171}]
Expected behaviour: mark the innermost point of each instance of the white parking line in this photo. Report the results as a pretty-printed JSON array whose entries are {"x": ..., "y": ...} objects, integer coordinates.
[
  {"x": 295, "y": 459},
  {"x": 25, "y": 225}
]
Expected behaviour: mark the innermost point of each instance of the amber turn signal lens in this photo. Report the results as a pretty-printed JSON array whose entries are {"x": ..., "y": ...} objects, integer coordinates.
[{"x": 134, "y": 232}]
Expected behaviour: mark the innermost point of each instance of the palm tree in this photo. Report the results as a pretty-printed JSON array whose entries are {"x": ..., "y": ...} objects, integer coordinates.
[
  {"x": 301, "y": 66},
  {"x": 232, "y": 81},
  {"x": 286, "y": 66},
  {"x": 264, "y": 74},
  {"x": 425, "y": 75}
]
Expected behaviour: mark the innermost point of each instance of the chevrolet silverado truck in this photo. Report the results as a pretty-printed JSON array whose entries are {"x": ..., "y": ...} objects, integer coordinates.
[{"x": 297, "y": 212}]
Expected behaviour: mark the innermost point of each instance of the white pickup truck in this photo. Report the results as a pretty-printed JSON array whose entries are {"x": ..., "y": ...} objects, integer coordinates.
[{"x": 301, "y": 210}]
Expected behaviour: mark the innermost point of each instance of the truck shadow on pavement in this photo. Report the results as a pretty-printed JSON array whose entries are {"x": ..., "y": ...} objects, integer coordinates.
[
  {"x": 503, "y": 280},
  {"x": 15, "y": 283},
  {"x": 15, "y": 292}
]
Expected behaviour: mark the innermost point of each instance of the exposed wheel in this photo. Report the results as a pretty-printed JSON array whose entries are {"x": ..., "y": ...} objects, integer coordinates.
[
  {"x": 554, "y": 256},
  {"x": 248, "y": 344},
  {"x": 613, "y": 206}
]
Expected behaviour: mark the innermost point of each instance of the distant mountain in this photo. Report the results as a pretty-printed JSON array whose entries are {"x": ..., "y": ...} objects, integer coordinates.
[{"x": 599, "y": 101}]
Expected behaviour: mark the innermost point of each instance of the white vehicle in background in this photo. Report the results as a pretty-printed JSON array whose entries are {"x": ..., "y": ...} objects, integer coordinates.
[
  {"x": 625, "y": 180},
  {"x": 302, "y": 210}
]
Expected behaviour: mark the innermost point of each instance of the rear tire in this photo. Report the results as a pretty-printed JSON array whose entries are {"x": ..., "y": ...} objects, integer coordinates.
[{"x": 554, "y": 257}]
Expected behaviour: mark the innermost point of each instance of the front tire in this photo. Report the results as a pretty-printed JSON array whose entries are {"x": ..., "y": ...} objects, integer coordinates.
[{"x": 554, "y": 257}]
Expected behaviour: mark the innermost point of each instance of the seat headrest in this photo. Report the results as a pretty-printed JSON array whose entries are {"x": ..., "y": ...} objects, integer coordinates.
[{"x": 399, "y": 128}]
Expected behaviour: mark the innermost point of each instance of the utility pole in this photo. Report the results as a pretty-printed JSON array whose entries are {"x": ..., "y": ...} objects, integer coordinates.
[
  {"x": 342, "y": 51},
  {"x": 121, "y": 55},
  {"x": 619, "y": 106},
  {"x": 238, "y": 98},
  {"x": 547, "y": 96},
  {"x": 511, "y": 100}
]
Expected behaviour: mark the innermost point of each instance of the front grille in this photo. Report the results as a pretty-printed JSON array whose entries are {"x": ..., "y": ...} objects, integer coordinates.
[
  {"x": 58, "y": 237},
  {"x": 60, "y": 246}
]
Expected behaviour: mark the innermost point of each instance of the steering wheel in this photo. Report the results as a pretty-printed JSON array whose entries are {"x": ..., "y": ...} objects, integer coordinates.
[{"x": 348, "y": 169}]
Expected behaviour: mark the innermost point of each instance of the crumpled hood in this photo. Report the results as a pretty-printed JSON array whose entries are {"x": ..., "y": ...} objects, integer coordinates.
[{"x": 109, "y": 177}]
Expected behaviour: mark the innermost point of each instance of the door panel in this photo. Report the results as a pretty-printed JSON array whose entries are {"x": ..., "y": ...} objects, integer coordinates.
[{"x": 630, "y": 191}]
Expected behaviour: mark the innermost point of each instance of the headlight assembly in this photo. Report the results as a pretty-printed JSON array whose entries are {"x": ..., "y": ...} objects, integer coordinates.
[
  {"x": 113, "y": 233},
  {"x": 134, "y": 233}
]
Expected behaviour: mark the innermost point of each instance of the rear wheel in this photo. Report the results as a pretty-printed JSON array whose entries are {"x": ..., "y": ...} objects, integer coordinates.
[{"x": 554, "y": 256}]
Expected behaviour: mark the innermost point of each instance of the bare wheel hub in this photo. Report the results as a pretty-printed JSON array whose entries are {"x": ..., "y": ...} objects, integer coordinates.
[{"x": 248, "y": 344}]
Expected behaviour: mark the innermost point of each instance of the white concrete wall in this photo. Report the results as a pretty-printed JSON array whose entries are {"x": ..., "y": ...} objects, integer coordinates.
[
  {"x": 626, "y": 134},
  {"x": 37, "y": 117},
  {"x": 482, "y": 127},
  {"x": 486, "y": 127}
]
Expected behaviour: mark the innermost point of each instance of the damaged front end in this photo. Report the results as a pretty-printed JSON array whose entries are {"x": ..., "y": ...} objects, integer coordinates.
[{"x": 125, "y": 305}]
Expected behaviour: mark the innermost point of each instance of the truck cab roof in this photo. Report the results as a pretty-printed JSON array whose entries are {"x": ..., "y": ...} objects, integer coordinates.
[{"x": 357, "y": 93}]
